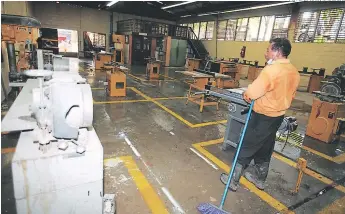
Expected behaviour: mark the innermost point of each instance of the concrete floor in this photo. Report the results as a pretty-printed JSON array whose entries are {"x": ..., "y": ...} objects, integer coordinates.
[{"x": 163, "y": 131}]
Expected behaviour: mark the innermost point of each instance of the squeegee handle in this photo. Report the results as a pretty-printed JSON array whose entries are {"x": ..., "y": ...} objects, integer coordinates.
[{"x": 236, "y": 156}]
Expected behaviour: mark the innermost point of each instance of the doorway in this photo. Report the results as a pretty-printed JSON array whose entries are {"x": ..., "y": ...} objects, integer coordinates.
[{"x": 141, "y": 49}]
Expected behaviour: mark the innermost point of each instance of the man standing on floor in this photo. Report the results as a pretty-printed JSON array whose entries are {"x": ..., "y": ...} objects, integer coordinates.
[{"x": 273, "y": 92}]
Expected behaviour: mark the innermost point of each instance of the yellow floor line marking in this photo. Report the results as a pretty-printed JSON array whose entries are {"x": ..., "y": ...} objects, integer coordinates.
[
  {"x": 146, "y": 80},
  {"x": 169, "y": 98},
  {"x": 263, "y": 195},
  {"x": 135, "y": 101},
  {"x": 189, "y": 83},
  {"x": 163, "y": 107},
  {"x": 97, "y": 89},
  {"x": 338, "y": 159},
  {"x": 119, "y": 101},
  {"x": 210, "y": 142},
  {"x": 175, "y": 114},
  {"x": 337, "y": 207},
  {"x": 222, "y": 165},
  {"x": 154, "y": 100},
  {"x": 151, "y": 198},
  {"x": 8, "y": 150},
  {"x": 308, "y": 172},
  {"x": 209, "y": 123}
]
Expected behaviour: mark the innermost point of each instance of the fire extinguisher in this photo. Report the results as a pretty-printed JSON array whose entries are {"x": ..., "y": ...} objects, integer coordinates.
[{"x": 243, "y": 52}]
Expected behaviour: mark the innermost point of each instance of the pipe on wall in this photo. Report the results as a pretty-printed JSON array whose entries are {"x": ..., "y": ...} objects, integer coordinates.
[
  {"x": 11, "y": 57},
  {"x": 111, "y": 44}
]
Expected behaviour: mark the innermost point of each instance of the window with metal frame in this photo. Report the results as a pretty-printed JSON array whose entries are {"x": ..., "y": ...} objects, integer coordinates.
[
  {"x": 241, "y": 29},
  {"x": 306, "y": 26},
  {"x": 221, "y": 29},
  {"x": 253, "y": 29},
  {"x": 231, "y": 29},
  {"x": 202, "y": 32},
  {"x": 266, "y": 27},
  {"x": 209, "y": 30},
  {"x": 341, "y": 33},
  {"x": 322, "y": 26},
  {"x": 190, "y": 25},
  {"x": 281, "y": 27},
  {"x": 196, "y": 28}
]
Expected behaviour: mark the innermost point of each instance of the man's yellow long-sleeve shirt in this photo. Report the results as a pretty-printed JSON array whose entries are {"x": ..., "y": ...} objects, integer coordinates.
[{"x": 274, "y": 89}]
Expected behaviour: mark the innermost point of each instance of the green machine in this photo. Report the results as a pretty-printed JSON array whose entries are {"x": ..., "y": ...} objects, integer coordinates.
[{"x": 178, "y": 52}]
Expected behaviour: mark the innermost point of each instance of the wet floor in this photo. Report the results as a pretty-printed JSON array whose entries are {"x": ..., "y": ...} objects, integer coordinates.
[{"x": 163, "y": 132}]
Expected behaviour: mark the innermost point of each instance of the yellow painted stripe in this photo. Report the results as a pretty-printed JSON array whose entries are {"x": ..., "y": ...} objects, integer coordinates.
[
  {"x": 120, "y": 101},
  {"x": 154, "y": 100},
  {"x": 151, "y": 198},
  {"x": 169, "y": 98},
  {"x": 163, "y": 107},
  {"x": 263, "y": 195},
  {"x": 134, "y": 77},
  {"x": 135, "y": 101},
  {"x": 308, "y": 172},
  {"x": 337, "y": 207},
  {"x": 318, "y": 153},
  {"x": 97, "y": 89},
  {"x": 210, "y": 142},
  {"x": 167, "y": 77},
  {"x": 208, "y": 123},
  {"x": 189, "y": 83},
  {"x": 222, "y": 165},
  {"x": 338, "y": 159},
  {"x": 8, "y": 150},
  {"x": 146, "y": 80}
]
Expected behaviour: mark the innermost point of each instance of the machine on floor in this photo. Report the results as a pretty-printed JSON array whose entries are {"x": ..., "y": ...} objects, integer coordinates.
[
  {"x": 153, "y": 67},
  {"x": 238, "y": 108},
  {"x": 326, "y": 120},
  {"x": 57, "y": 166},
  {"x": 115, "y": 79}
]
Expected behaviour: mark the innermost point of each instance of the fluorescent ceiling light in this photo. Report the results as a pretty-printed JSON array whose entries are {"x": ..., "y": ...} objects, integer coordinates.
[
  {"x": 185, "y": 16},
  {"x": 112, "y": 3},
  {"x": 179, "y": 4},
  {"x": 206, "y": 14},
  {"x": 258, "y": 7},
  {"x": 159, "y": 2}
]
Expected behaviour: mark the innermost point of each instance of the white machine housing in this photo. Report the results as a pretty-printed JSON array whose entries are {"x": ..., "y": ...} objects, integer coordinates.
[
  {"x": 56, "y": 180},
  {"x": 63, "y": 109}
]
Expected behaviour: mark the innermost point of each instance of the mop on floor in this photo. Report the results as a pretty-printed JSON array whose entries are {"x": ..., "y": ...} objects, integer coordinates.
[{"x": 208, "y": 208}]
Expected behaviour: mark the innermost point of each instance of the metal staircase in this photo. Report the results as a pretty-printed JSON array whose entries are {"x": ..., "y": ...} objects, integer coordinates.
[{"x": 196, "y": 45}]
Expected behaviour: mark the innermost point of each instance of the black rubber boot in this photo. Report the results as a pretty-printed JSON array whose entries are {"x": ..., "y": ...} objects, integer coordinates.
[
  {"x": 257, "y": 174},
  {"x": 235, "y": 178}
]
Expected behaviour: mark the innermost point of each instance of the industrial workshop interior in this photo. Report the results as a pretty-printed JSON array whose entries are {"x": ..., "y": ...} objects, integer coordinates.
[{"x": 181, "y": 107}]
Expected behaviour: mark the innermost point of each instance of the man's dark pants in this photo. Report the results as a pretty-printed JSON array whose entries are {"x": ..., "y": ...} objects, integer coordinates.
[{"x": 259, "y": 140}]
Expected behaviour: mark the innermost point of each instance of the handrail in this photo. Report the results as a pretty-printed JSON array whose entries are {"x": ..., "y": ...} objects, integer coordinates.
[{"x": 191, "y": 34}]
